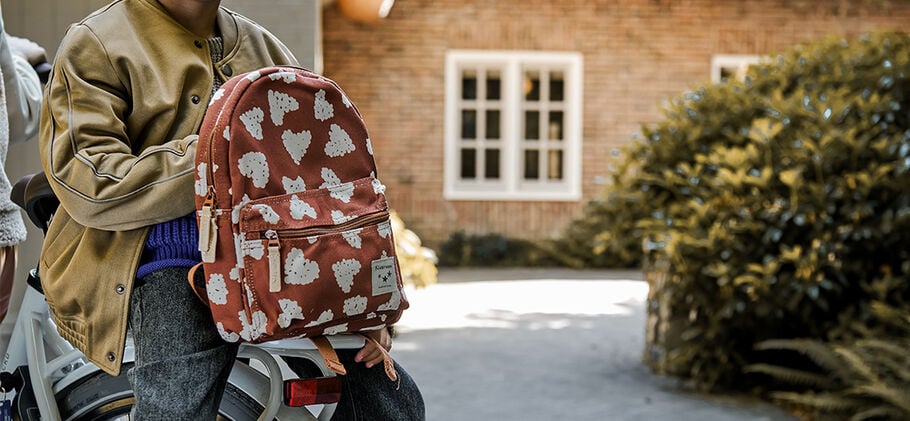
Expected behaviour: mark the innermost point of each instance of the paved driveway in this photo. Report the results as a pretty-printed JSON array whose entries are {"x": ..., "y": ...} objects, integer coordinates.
[{"x": 544, "y": 345}]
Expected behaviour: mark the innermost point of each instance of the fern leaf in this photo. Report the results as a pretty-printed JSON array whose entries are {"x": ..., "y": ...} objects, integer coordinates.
[
  {"x": 899, "y": 350},
  {"x": 819, "y": 352},
  {"x": 827, "y": 402},
  {"x": 892, "y": 356},
  {"x": 793, "y": 376},
  {"x": 891, "y": 395},
  {"x": 880, "y": 412},
  {"x": 856, "y": 364},
  {"x": 890, "y": 369},
  {"x": 891, "y": 315}
]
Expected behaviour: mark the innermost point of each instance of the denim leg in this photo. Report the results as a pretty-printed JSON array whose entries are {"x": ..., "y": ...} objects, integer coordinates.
[
  {"x": 368, "y": 395},
  {"x": 182, "y": 364}
]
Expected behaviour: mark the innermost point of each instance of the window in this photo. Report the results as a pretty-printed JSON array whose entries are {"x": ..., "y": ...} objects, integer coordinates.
[
  {"x": 725, "y": 67},
  {"x": 513, "y": 125}
]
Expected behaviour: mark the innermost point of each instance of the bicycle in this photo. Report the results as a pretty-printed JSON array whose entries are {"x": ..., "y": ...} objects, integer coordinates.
[{"x": 51, "y": 380}]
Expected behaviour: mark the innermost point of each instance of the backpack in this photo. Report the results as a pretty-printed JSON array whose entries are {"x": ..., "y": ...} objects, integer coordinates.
[{"x": 294, "y": 227}]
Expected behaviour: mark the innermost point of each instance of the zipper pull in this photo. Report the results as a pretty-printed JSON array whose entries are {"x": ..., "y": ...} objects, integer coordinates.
[
  {"x": 274, "y": 261},
  {"x": 208, "y": 228}
]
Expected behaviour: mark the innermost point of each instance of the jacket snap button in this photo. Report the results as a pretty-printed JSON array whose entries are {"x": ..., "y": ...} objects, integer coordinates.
[
  {"x": 226, "y": 69},
  {"x": 197, "y": 43},
  {"x": 120, "y": 289},
  {"x": 195, "y": 99},
  {"x": 111, "y": 357}
]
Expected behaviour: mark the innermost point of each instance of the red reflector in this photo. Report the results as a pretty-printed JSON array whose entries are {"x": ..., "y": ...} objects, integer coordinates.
[{"x": 302, "y": 392}]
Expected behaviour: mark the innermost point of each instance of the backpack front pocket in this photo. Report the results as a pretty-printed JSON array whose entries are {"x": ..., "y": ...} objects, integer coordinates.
[{"x": 306, "y": 277}]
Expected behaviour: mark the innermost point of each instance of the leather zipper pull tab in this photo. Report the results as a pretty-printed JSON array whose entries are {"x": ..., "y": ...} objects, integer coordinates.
[
  {"x": 208, "y": 229},
  {"x": 274, "y": 261}
]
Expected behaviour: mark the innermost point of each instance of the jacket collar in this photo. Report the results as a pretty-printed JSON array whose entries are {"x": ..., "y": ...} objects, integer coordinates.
[
  {"x": 225, "y": 22},
  {"x": 228, "y": 27}
]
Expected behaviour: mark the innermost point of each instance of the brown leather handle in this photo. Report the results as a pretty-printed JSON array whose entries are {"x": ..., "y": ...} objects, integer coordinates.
[
  {"x": 332, "y": 362},
  {"x": 202, "y": 296},
  {"x": 387, "y": 361},
  {"x": 328, "y": 354}
]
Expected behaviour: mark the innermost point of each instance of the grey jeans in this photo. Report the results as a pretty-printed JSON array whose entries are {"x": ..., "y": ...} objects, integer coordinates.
[{"x": 182, "y": 364}]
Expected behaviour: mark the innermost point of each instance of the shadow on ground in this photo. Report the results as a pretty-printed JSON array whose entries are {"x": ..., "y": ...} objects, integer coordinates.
[{"x": 545, "y": 349}]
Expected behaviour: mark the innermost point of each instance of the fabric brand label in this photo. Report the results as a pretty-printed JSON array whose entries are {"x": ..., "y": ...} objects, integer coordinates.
[{"x": 384, "y": 281}]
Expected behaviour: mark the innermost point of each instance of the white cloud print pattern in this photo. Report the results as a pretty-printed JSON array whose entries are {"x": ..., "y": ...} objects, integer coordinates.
[
  {"x": 280, "y": 104},
  {"x": 227, "y": 336},
  {"x": 217, "y": 289},
  {"x": 290, "y": 310},
  {"x": 337, "y": 189},
  {"x": 296, "y": 143},
  {"x": 252, "y": 329},
  {"x": 353, "y": 237},
  {"x": 335, "y": 330},
  {"x": 201, "y": 185},
  {"x": 286, "y": 77},
  {"x": 340, "y": 143},
  {"x": 268, "y": 214},
  {"x": 345, "y": 270},
  {"x": 252, "y": 120},
  {"x": 298, "y": 269},
  {"x": 300, "y": 208},
  {"x": 322, "y": 109},
  {"x": 325, "y": 317},
  {"x": 254, "y": 166},
  {"x": 293, "y": 185},
  {"x": 355, "y": 305}
]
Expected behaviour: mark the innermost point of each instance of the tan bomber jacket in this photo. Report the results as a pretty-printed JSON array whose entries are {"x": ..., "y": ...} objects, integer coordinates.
[{"x": 118, "y": 130}]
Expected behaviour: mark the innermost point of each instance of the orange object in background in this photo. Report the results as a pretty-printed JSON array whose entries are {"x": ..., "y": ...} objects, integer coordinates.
[{"x": 366, "y": 11}]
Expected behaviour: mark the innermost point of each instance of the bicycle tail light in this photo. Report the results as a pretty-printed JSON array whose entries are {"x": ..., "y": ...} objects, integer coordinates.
[{"x": 302, "y": 392}]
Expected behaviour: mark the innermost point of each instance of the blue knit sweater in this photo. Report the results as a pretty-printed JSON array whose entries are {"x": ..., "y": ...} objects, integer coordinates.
[{"x": 171, "y": 244}]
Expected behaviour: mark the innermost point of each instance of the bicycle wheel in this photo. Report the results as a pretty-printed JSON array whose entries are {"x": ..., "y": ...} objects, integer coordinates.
[{"x": 101, "y": 397}]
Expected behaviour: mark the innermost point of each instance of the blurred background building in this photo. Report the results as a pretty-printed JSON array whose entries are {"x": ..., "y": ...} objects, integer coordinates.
[{"x": 501, "y": 116}]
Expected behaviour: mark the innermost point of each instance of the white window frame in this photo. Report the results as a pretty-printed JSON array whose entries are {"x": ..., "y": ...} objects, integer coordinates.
[
  {"x": 736, "y": 62},
  {"x": 511, "y": 184}
]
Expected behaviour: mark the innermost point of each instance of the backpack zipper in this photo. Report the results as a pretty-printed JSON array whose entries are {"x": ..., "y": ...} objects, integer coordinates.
[
  {"x": 208, "y": 228},
  {"x": 274, "y": 237}
]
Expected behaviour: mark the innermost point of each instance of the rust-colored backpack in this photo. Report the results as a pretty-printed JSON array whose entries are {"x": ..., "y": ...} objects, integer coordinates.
[{"x": 293, "y": 224}]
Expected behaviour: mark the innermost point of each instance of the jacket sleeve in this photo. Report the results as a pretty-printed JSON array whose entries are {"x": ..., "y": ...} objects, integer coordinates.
[
  {"x": 23, "y": 94},
  {"x": 86, "y": 151}
]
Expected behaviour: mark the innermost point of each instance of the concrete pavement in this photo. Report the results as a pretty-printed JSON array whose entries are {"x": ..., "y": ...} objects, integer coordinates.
[{"x": 545, "y": 345}]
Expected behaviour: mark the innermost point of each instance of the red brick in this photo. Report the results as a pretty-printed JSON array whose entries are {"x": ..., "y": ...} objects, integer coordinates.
[{"x": 637, "y": 53}]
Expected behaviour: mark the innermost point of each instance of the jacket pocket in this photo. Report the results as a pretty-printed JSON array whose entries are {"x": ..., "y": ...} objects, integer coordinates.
[{"x": 63, "y": 235}]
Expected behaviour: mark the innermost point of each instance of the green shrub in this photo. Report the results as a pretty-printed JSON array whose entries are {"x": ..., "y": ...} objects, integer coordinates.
[
  {"x": 779, "y": 197},
  {"x": 606, "y": 235},
  {"x": 495, "y": 250}
]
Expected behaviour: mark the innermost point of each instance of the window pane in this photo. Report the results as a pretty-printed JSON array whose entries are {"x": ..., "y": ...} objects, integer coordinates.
[
  {"x": 532, "y": 125},
  {"x": 493, "y": 85},
  {"x": 492, "y": 124},
  {"x": 532, "y": 86},
  {"x": 554, "y": 129},
  {"x": 725, "y": 73},
  {"x": 468, "y": 124},
  {"x": 532, "y": 170},
  {"x": 491, "y": 164},
  {"x": 554, "y": 165},
  {"x": 556, "y": 86},
  {"x": 469, "y": 84},
  {"x": 468, "y": 164}
]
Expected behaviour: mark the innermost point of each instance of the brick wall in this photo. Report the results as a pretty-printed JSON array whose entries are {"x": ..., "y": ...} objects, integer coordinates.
[{"x": 638, "y": 54}]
